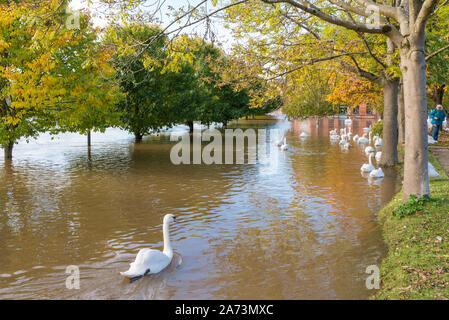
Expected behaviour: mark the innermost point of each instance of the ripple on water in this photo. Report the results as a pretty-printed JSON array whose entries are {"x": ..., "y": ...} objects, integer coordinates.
[{"x": 239, "y": 225}]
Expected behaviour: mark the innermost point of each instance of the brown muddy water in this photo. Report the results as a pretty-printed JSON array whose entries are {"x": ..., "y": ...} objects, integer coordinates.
[{"x": 302, "y": 229}]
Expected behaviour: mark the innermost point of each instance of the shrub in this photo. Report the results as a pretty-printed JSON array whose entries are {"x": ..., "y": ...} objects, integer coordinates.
[{"x": 410, "y": 207}]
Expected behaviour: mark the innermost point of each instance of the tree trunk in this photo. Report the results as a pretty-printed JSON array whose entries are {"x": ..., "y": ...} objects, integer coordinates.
[
  {"x": 138, "y": 137},
  {"x": 88, "y": 139},
  {"x": 438, "y": 94},
  {"x": 190, "y": 124},
  {"x": 390, "y": 123},
  {"x": 401, "y": 114},
  {"x": 8, "y": 150},
  {"x": 413, "y": 65}
]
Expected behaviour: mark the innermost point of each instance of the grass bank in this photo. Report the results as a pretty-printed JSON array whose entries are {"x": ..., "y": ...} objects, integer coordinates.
[{"x": 417, "y": 263}]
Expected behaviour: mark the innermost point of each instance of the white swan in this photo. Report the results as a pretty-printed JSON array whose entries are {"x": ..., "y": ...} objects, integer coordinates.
[
  {"x": 355, "y": 138},
  {"x": 378, "y": 142},
  {"x": 335, "y": 137},
  {"x": 368, "y": 167},
  {"x": 432, "y": 172},
  {"x": 369, "y": 150},
  {"x": 285, "y": 145},
  {"x": 378, "y": 156},
  {"x": 363, "y": 139},
  {"x": 149, "y": 261},
  {"x": 349, "y": 134},
  {"x": 303, "y": 135},
  {"x": 430, "y": 140},
  {"x": 377, "y": 173},
  {"x": 279, "y": 142},
  {"x": 346, "y": 145}
]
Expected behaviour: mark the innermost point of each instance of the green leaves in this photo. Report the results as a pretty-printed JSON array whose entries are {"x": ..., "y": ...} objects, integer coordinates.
[
  {"x": 412, "y": 206},
  {"x": 56, "y": 78}
]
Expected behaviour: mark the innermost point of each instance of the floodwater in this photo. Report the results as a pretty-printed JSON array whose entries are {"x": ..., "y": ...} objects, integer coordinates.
[{"x": 301, "y": 227}]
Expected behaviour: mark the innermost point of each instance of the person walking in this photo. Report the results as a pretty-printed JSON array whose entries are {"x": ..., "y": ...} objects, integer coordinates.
[{"x": 437, "y": 117}]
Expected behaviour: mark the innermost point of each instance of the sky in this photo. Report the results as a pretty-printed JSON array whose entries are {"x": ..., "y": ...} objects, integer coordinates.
[{"x": 159, "y": 9}]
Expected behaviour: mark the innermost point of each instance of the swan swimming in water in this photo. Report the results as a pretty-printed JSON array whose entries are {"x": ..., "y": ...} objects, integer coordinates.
[
  {"x": 346, "y": 145},
  {"x": 378, "y": 142},
  {"x": 279, "y": 142},
  {"x": 369, "y": 150},
  {"x": 377, "y": 173},
  {"x": 334, "y": 137},
  {"x": 368, "y": 167},
  {"x": 378, "y": 156},
  {"x": 284, "y": 147},
  {"x": 150, "y": 261},
  {"x": 363, "y": 139}
]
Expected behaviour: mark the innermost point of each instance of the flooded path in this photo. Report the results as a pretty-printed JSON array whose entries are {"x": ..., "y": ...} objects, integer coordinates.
[{"x": 306, "y": 230}]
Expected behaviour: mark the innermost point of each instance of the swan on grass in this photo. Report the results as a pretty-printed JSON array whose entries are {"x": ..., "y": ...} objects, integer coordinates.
[
  {"x": 284, "y": 147},
  {"x": 150, "y": 261},
  {"x": 368, "y": 167},
  {"x": 430, "y": 140},
  {"x": 303, "y": 135},
  {"x": 432, "y": 172}
]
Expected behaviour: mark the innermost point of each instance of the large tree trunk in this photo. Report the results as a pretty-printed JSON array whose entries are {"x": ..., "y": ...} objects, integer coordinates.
[
  {"x": 138, "y": 137},
  {"x": 8, "y": 150},
  {"x": 401, "y": 114},
  {"x": 438, "y": 94},
  {"x": 390, "y": 124},
  {"x": 190, "y": 124},
  {"x": 413, "y": 65}
]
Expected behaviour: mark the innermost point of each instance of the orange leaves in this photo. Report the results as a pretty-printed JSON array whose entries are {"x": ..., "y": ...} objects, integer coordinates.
[{"x": 353, "y": 92}]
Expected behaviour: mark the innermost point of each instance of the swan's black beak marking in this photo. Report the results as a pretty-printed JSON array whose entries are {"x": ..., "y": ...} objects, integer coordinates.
[{"x": 174, "y": 219}]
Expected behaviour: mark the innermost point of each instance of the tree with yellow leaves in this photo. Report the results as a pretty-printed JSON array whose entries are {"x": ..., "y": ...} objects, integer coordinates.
[{"x": 53, "y": 75}]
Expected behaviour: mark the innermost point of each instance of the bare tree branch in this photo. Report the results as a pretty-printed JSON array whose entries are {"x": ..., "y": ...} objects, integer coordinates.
[
  {"x": 308, "y": 7},
  {"x": 426, "y": 10},
  {"x": 433, "y": 54}
]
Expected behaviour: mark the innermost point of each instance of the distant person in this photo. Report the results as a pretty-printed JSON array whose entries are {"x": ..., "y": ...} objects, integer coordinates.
[{"x": 437, "y": 117}]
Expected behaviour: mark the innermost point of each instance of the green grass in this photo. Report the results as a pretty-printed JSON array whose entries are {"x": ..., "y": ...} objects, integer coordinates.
[{"x": 417, "y": 263}]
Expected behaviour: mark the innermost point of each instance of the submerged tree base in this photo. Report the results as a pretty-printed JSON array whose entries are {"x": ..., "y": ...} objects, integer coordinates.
[
  {"x": 8, "y": 151},
  {"x": 417, "y": 263}
]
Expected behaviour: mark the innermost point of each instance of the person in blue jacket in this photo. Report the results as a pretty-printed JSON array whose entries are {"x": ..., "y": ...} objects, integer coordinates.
[{"x": 437, "y": 117}]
